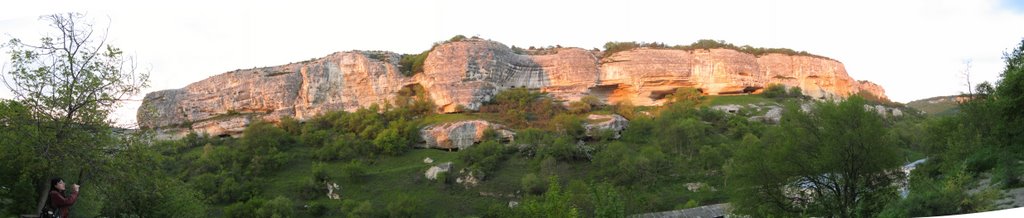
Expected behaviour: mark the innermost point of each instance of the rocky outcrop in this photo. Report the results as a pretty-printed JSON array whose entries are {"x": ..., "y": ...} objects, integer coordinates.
[
  {"x": 596, "y": 123},
  {"x": 432, "y": 172},
  {"x": 462, "y": 75},
  {"x": 226, "y": 103},
  {"x": 461, "y": 134}
]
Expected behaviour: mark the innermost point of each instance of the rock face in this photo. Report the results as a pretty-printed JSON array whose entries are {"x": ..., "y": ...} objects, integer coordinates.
[
  {"x": 460, "y": 135},
  {"x": 462, "y": 75},
  {"x": 226, "y": 103}
]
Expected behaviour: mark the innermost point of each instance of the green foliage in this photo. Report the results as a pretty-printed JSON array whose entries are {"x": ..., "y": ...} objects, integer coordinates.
[
  {"x": 353, "y": 208},
  {"x": 354, "y": 172},
  {"x": 578, "y": 107},
  {"x": 410, "y": 64},
  {"x": 533, "y": 184},
  {"x": 624, "y": 165},
  {"x": 457, "y": 38},
  {"x": 274, "y": 208},
  {"x": 65, "y": 87},
  {"x": 775, "y": 91},
  {"x": 614, "y": 47},
  {"x": 263, "y": 146},
  {"x": 485, "y": 157},
  {"x": 947, "y": 196},
  {"x": 554, "y": 203},
  {"x": 844, "y": 142},
  {"x": 406, "y": 206},
  {"x": 390, "y": 142},
  {"x": 686, "y": 96},
  {"x": 521, "y": 107}
]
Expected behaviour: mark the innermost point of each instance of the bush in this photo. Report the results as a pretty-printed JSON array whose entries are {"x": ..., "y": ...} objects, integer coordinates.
[
  {"x": 406, "y": 206},
  {"x": 485, "y": 156},
  {"x": 354, "y": 172},
  {"x": 320, "y": 172},
  {"x": 410, "y": 64},
  {"x": 354, "y": 208},
  {"x": 317, "y": 209},
  {"x": 578, "y": 107},
  {"x": 390, "y": 142},
  {"x": 775, "y": 91},
  {"x": 565, "y": 149},
  {"x": 533, "y": 184}
]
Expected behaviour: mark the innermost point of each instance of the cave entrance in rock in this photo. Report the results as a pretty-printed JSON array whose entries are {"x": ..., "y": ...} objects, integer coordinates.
[{"x": 612, "y": 93}]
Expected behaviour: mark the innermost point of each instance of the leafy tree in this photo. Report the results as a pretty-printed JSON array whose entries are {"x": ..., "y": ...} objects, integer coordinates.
[
  {"x": 554, "y": 203},
  {"x": 69, "y": 84},
  {"x": 390, "y": 142},
  {"x": 775, "y": 91},
  {"x": 686, "y": 96},
  {"x": 834, "y": 161}
]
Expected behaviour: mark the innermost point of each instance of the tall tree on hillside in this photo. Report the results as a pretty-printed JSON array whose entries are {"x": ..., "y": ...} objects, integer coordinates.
[
  {"x": 69, "y": 82},
  {"x": 833, "y": 161}
]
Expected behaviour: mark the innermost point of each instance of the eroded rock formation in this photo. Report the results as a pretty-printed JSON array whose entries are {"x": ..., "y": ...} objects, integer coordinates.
[
  {"x": 460, "y": 134},
  {"x": 462, "y": 75}
]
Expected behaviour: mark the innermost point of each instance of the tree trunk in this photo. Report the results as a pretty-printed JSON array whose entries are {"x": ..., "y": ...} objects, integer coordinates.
[{"x": 43, "y": 196}]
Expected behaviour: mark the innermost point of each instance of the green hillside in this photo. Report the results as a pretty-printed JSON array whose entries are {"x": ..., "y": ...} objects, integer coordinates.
[{"x": 941, "y": 105}]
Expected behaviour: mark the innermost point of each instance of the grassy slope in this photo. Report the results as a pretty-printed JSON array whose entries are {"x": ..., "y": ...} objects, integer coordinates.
[
  {"x": 935, "y": 105},
  {"x": 735, "y": 99}
]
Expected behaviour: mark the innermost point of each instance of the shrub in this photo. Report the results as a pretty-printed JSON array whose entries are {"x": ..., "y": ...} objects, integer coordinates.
[
  {"x": 320, "y": 172},
  {"x": 533, "y": 184},
  {"x": 406, "y": 206},
  {"x": 390, "y": 142},
  {"x": 578, "y": 107},
  {"x": 317, "y": 209},
  {"x": 411, "y": 64},
  {"x": 775, "y": 91},
  {"x": 484, "y": 157},
  {"x": 354, "y": 172},
  {"x": 796, "y": 92},
  {"x": 354, "y": 208}
]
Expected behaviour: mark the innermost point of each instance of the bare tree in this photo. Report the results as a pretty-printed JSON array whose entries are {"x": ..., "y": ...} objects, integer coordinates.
[
  {"x": 966, "y": 73},
  {"x": 70, "y": 82}
]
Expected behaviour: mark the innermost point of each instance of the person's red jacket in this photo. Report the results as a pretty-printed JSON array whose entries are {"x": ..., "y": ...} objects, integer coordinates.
[{"x": 58, "y": 201}]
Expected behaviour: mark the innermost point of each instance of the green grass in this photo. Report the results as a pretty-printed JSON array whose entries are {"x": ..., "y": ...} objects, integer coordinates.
[
  {"x": 735, "y": 99},
  {"x": 444, "y": 118},
  {"x": 387, "y": 177}
]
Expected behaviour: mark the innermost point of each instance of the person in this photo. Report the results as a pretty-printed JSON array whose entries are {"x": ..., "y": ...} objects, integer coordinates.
[{"x": 57, "y": 199}]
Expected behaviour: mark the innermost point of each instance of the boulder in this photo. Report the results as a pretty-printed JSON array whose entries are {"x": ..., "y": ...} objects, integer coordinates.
[
  {"x": 431, "y": 173},
  {"x": 605, "y": 122},
  {"x": 460, "y": 134}
]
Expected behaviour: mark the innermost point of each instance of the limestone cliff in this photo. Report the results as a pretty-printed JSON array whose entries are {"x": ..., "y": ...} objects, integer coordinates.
[{"x": 463, "y": 75}]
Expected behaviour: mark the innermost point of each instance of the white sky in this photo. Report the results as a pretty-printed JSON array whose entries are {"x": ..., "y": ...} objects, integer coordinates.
[{"x": 914, "y": 49}]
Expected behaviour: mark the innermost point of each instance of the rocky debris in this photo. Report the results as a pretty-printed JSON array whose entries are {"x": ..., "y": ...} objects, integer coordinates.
[
  {"x": 605, "y": 122},
  {"x": 431, "y": 173},
  {"x": 464, "y": 74},
  {"x": 728, "y": 108},
  {"x": 230, "y": 126},
  {"x": 333, "y": 190},
  {"x": 513, "y": 204},
  {"x": 467, "y": 179},
  {"x": 714, "y": 210},
  {"x": 428, "y": 160},
  {"x": 460, "y": 134},
  {"x": 884, "y": 111},
  {"x": 697, "y": 186}
]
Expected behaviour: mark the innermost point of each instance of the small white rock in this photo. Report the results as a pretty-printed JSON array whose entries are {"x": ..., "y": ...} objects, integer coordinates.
[{"x": 428, "y": 160}]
